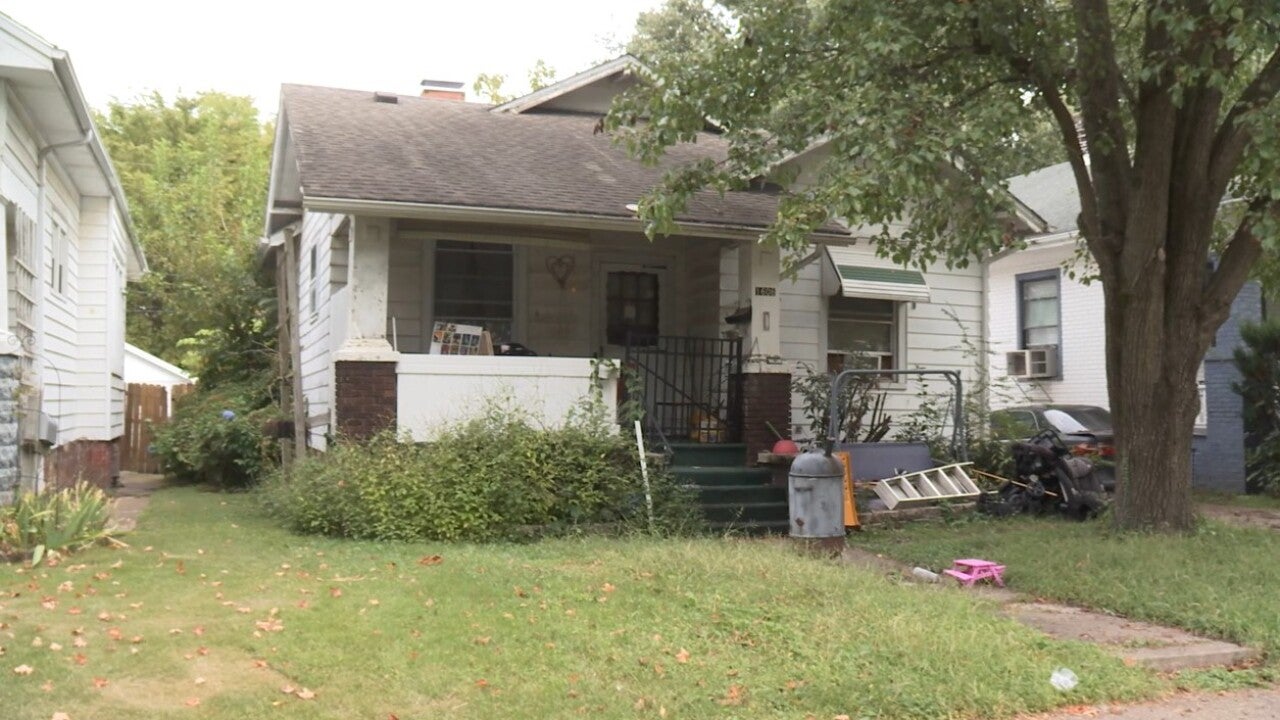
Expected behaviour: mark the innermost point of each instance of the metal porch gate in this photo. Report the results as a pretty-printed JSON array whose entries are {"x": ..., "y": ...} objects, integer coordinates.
[{"x": 692, "y": 387}]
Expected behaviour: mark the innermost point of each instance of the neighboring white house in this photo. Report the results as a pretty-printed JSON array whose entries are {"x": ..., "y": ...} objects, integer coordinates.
[
  {"x": 143, "y": 368},
  {"x": 1046, "y": 334},
  {"x": 389, "y": 213},
  {"x": 70, "y": 249}
]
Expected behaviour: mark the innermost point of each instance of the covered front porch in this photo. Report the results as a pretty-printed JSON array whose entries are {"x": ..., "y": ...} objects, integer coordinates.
[{"x": 569, "y": 311}]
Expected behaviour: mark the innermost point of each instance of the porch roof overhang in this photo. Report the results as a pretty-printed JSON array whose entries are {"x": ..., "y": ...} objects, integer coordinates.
[
  {"x": 535, "y": 218},
  {"x": 879, "y": 278}
]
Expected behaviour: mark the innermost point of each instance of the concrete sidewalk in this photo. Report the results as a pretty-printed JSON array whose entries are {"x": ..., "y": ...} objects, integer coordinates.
[
  {"x": 1157, "y": 647},
  {"x": 1244, "y": 705},
  {"x": 131, "y": 498}
]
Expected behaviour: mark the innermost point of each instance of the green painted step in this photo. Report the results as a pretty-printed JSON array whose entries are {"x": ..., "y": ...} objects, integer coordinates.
[
  {"x": 703, "y": 475},
  {"x": 708, "y": 455},
  {"x": 746, "y": 512},
  {"x": 772, "y": 527},
  {"x": 723, "y": 494}
]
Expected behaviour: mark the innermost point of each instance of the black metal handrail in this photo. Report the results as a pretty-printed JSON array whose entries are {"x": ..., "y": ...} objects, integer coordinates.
[{"x": 692, "y": 386}]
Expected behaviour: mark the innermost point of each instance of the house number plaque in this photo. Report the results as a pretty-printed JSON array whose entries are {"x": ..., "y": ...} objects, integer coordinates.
[{"x": 766, "y": 291}]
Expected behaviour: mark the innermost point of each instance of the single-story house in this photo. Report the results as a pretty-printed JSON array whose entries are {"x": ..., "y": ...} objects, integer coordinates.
[
  {"x": 70, "y": 250},
  {"x": 390, "y": 216},
  {"x": 1045, "y": 330}
]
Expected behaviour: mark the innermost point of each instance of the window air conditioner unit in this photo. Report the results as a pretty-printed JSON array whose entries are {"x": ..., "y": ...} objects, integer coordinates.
[{"x": 1032, "y": 363}]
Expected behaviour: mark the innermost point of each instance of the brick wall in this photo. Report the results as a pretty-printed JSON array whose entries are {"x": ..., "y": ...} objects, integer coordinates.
[
  {"x": 364, "y": 397},
  {"x": 96, "y": 462},
  {"x": 766, "y": 397},
  {"x": 1218, "y": 460}
]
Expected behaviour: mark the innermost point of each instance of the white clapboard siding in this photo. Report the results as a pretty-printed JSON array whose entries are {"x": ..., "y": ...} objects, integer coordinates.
[
  {"x": 1082, "y": 355},
  {"x": 314, "y": 320},
  {"x": 934, "y": 333}
]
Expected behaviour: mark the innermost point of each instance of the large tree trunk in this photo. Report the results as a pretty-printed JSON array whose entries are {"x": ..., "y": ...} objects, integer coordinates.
[
  {"x": 1154, "y": 402},
  {"x": 1156, "y": 339}
]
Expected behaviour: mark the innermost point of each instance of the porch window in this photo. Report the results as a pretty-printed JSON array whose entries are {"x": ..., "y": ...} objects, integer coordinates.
[
  {"x": 1039, "y": 310},
  {"x": 631, "y": 304},
  {"x": 862, "y": 333},
  {"x": 474, "y": 286}
]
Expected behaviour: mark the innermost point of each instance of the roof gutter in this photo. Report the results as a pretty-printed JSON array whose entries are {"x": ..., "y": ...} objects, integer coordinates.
[
  {"x": 71, "y": 90},
  {"x": 533, "y": 218},
  {"x": 1038, "y": 242}
]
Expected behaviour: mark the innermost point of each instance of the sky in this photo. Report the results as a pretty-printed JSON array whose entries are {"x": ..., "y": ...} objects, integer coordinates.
[{"x": 123, "y": 48}]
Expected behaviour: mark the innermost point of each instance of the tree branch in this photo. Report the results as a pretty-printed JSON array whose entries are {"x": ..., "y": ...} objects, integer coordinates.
[
  {"x": 1234, "y": 266},
  {"x": 1233, "y": 135}
]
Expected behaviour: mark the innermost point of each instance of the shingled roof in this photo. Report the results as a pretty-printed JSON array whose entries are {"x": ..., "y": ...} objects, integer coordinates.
[{"x": 416, "y": 150}]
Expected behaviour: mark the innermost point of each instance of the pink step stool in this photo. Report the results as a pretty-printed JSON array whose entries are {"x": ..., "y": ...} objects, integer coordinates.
[{"x": 970, "y": 571}]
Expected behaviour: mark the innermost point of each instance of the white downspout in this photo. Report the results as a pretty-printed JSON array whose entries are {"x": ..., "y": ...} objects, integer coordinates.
[{"x": 42, "y": 212}]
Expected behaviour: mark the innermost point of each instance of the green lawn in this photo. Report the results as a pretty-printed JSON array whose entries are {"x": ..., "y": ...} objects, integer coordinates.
[
  {"x": 212, "y": 610},
  {"x": 1220, "y": 581}
]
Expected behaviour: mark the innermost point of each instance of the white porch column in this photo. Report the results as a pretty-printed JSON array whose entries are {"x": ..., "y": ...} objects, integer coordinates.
[
  {"x": 759, "y": 272},
  {"x": 369, "y": 256}
]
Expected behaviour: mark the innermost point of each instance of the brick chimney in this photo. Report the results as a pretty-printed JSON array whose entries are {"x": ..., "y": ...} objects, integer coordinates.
[{"x": 443, "y": 90}]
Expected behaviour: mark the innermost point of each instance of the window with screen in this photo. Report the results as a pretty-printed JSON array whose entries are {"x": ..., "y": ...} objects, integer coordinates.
[
  {"x": 474, "y": 285},
  {"x": 862, "y": 333}
]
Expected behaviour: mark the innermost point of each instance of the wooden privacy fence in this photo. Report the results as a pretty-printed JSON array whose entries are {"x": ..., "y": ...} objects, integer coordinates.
[{"x": 145, "y": 408}]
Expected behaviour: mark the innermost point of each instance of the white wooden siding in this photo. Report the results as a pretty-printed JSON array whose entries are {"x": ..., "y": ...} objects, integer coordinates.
[
  {"x": 316, "y": 322},
  {"x": 1082, "y": 354},
  {"x": 933, "y": 333}
]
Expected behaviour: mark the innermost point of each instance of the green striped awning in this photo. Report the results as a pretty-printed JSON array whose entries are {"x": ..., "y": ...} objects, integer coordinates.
[{"x": 861, "y": 274}]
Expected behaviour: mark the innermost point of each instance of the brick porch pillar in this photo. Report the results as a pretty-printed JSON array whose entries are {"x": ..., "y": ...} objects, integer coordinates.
[
  {"x": 364, "y": 390},
  {"x": 364, "y": 398},
  {"x": 766, "y": 398}
]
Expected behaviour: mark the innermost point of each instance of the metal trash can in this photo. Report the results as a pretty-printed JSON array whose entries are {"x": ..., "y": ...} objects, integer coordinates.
[{"x": 815, "y": 493}]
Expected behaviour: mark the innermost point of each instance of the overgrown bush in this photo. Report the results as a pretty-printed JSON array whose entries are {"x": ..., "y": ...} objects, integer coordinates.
[
  {"x": 53, "y": 522},
  {"x": 1258, "y": 361},
  {"x": 494, "y": 477},
  {"x": 861, "y": 406},
  {"x": 215, "y": 435}
]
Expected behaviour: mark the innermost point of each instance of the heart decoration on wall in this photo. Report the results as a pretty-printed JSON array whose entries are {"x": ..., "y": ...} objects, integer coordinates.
[{"x": 560, "y": 267}]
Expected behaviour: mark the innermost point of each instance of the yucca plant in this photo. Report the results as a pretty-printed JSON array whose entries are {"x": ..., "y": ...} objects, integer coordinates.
[{"x": 54, "y": 522}]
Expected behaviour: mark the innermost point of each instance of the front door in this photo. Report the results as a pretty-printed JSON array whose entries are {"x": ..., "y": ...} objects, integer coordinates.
[{"x": 630, "y": 307}]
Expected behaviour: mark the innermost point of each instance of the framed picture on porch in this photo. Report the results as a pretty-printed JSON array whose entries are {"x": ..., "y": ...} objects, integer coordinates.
[{"x": 454, "y": 339}]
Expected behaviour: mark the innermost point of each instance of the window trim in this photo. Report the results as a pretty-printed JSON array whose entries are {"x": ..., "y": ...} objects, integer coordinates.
[
  {"x": 899, "y": 335},
  {"x": 1022, "y": 279}
]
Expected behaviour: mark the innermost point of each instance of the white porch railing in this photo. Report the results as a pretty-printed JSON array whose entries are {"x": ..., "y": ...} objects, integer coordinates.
[{"x": 434, "y": 391}]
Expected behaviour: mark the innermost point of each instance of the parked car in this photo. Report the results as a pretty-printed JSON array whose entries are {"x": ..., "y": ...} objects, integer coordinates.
[{"x": 1085, "y": 429}]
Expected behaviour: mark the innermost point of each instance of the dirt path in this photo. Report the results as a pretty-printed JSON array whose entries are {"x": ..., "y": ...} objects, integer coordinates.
[
  {"x": 1248, "y": 517},
  {"x": 1246, "y": 705}
]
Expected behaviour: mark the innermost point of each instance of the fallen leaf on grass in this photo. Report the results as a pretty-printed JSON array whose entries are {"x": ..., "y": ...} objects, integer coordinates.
[
  {"x": 23, "y": 670},
  {"x": 198, "y": 630},
  {"x": 100, "y": 682},
  {"x": 49, "y": 604},
  {"x": 682, "y": 656},
  {"x": 430, "y": 560},
  {"x": 60, "y": 716},
  {"x": 55, "y": 647},
  {"x": 114, "y": 633},
  {"x": 192, "y": 702},
  {"x": 47, "y": 686},
  {"x": 37, "y": 642},
  {"x": 79, "y": 658},
  {"x": 199, "y": 681},
  {"x": 335, "y": 592},
  {"x": 305, "y": 694},
  {"x": 735, "y": 695},
  {"x": 80, "y": 642}
]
